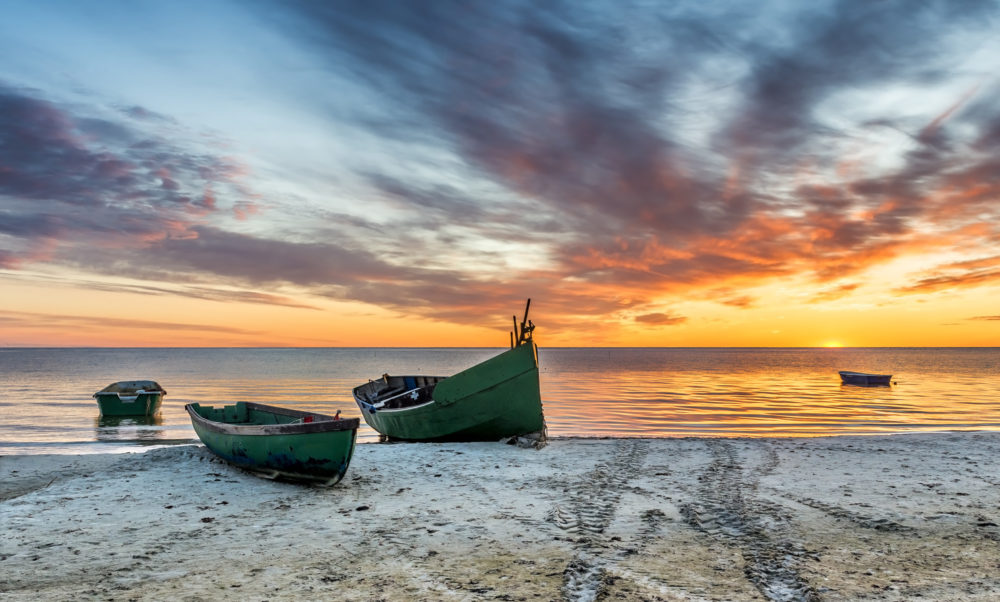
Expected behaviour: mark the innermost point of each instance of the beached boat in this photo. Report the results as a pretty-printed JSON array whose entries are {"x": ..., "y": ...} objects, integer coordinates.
[
  {"x": 130, "y": 398},
  {"x": 277, "y": 442},
  {"x": 863, "y": 378},
  {"x": 492, "y": 400}
]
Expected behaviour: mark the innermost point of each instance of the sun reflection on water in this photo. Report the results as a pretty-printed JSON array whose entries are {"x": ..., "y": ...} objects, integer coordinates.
[{"x": 47, "y": 405}]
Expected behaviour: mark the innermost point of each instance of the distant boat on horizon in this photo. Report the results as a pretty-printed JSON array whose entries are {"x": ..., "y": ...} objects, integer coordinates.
[{"x": 865, "y": 379}]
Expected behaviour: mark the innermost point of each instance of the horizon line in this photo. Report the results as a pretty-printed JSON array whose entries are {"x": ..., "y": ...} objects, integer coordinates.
[{"x": 40, "y": 347}]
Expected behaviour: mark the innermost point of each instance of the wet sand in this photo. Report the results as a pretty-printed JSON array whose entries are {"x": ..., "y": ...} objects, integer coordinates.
[{"x": 903, "y": 517}]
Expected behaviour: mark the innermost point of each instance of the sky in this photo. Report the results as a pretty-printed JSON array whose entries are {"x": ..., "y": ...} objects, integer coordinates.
[{"x": 378, "y": 173}]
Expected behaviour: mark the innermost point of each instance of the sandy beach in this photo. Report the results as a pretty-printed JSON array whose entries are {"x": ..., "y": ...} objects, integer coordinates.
[{"x": 847, "y": 518}]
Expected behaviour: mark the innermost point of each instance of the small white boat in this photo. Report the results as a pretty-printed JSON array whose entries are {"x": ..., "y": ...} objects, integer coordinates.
[{"x": 865, "y": 379}]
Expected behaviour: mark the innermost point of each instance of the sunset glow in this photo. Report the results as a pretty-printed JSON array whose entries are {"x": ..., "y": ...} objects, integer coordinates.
[{"x": 305, "y": 174}]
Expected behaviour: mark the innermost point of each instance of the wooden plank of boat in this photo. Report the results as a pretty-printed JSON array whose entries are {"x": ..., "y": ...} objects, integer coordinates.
[
  {"x": 130, "y": 398},
  {"x": 492, "y": 400},
  {"x": 864, "y": 378},
  {"x": 277, "y": 442}
]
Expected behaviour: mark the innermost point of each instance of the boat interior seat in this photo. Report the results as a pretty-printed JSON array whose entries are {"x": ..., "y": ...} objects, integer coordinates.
[{"x": 387, "y": 393}]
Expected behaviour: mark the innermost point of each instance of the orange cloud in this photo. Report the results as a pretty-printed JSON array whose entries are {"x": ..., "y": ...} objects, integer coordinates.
[
  {"x": 660, "y": 319},
  {"x": 959, "y": 274}
]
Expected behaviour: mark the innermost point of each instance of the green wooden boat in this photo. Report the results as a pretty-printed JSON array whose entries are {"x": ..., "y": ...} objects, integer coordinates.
[
  {"x": 130, "y": 398},
  {"x": 492, "y": 400},
  {"x": 277, "y": 442}
]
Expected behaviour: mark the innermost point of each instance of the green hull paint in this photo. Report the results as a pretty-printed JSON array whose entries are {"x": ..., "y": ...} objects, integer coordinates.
[
  {"x": 492, "y": 400},
  {"x": 130, "y": 398},
  {"x": 277, "y": 442}
]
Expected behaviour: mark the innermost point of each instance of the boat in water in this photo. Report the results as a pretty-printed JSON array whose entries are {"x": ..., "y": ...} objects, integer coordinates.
[
  {"x": 496, "y": 399},
  {"x": 863, "y": 378},
  {"x": 276, "y": 442},
  {"x": 130, "y": 398}
]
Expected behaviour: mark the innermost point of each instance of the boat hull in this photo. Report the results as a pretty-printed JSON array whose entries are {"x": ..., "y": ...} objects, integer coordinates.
[
  {"x": 489, "y": 401},
  {"x": 130, "y": 398},
  {"x": 277, "y": 443},
  {"x": 864, "y": 379},
  {"x": 145, "y": 404}
]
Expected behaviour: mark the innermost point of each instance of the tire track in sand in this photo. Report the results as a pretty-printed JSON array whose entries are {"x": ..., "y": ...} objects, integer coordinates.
[
  {"x": 588, "y": 509},
  {"x": 727, "y": 509}
]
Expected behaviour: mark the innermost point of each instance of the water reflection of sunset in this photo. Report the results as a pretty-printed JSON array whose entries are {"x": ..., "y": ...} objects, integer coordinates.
[
  {"x": 772, "y": 393},
  {"x": 585, "y": 392}
]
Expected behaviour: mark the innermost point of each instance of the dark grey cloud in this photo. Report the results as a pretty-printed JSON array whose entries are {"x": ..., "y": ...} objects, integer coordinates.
[
  {"x": 439, "y": 207},
  {"x": 54, "y": 157},
  {"x": 73, "y": 184},
  {"x": 547, "y": 101},
  {"x": 239, "y": 256},
  {"x": 839, "y": 46},
  {"x": 30, "y": 225}
]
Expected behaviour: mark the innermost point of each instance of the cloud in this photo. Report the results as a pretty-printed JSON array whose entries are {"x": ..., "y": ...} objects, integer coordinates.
[
  {"x": 660, "y": 319},
  {"x": 952, "y": 281},
  {"x": 741, "y": 301},
  {"x": 31, "y": 225},
  {"x": 29, "y": 320},
  {"x": 49, "y": 155},
  {"x": 70, "y": 180},
  {"x": 955, "y": 275},
  {"x": 837, "y": 292},
  {"x": 835, "y": 46},
  {"x": 206, "y": 293},
  {"x": 987, "y": 318}
]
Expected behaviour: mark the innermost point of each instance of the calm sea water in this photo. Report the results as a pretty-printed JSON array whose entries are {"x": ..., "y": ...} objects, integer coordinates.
[{"x": 46, "y": 404}]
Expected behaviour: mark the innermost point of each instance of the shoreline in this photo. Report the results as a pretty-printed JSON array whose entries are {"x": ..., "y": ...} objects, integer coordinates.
[
  {"x": 123, "y": 447},
  {"x": 844, "y": 517}
]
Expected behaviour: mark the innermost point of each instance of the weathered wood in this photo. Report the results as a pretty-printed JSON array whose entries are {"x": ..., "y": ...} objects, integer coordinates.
[
  {"x": 497, "y": 398},
  {"x": 521, "y": 337},
  {"x": 276, "y": 441}
]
